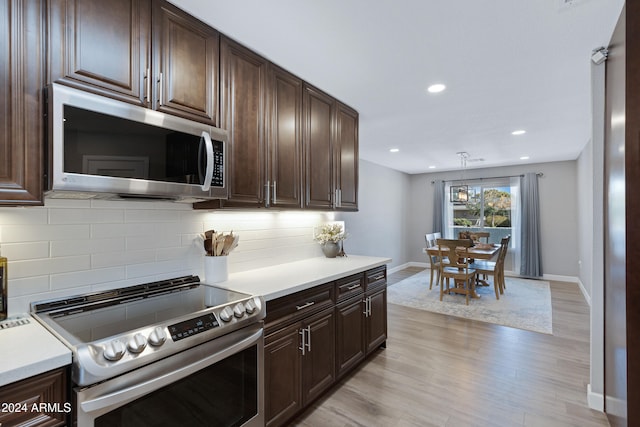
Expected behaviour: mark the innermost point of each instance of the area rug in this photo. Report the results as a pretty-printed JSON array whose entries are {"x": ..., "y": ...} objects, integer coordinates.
[{"x": 526, "y": 304}]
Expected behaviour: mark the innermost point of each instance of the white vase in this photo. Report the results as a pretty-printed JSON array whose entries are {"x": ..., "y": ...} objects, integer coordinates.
[{"x": 216, "y": 269}]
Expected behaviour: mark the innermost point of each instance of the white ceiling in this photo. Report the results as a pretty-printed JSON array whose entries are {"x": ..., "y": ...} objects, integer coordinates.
[{"x": 507, "y": 65}]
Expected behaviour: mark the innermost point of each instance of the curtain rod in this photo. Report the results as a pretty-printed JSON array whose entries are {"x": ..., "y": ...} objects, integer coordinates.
[{"x": 490, "y": 177}]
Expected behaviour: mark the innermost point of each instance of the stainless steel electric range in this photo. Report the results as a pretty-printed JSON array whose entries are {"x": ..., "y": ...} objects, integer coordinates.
[{"x": 163, "y": 352}]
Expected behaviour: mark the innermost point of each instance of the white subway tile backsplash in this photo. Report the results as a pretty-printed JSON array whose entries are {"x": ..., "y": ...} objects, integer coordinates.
[
  {"x": 60, "y": 248},
  {"x": 38, "y": 232},
  {"x": 70, "y": 247},
  {"x": 29, "y": 286},
  {"x": 86, "y": 216},
  {"x": 113, "y": 259},
  {"x": 24, "y": 251},
  {"x": 13, "y": 216},
  {"x": 86, "y": 278},
  {"x": 47, "y": 266}
]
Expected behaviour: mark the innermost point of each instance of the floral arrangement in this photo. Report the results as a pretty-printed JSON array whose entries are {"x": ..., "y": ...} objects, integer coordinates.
[{"x": 329, "y": 233}]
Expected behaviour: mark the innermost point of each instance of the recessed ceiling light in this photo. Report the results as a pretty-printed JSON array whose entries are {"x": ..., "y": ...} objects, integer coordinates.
[
  {"x": 439, "y": 87},
  {"x": 518, "y": 132},
  {"x": 432, "y": 167},
  {"x": 524, "y": 158},
  {"x": 394, "y": 150}
]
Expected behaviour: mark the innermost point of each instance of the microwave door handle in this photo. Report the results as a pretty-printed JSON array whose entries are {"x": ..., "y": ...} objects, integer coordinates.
[{"x": 209, "y": 170}]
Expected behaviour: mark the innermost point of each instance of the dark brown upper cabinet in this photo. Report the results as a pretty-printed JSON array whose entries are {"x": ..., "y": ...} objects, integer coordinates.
[
  {"x": 243, "y": 97},
  {"x": 319, "y": 135},
  {"x": 284, "y": 139},
  {"x": 185, "y": 64},
  {"x": 22, "y": 76},
  {"x": 330, "y": 152},
  {"x": 144, "y": 52},
  {"x": 346, "y": 158}
]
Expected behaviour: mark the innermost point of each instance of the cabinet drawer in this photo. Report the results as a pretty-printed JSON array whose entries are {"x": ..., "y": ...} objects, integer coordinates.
[
  {"x": 296, "y": 306},
  {"x": 349, "y": 286},
  {"x": 376, "y": 277}
]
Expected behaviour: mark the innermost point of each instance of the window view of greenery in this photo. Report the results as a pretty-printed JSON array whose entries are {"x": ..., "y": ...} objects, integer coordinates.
[{"x": 487, "y": 209}]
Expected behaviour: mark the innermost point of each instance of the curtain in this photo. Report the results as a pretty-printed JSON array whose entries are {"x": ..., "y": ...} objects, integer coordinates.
[
  {"x": 516, "y": 222},
  {"x": 438, "y": 208},
  {"x": 530, "y": 259}
]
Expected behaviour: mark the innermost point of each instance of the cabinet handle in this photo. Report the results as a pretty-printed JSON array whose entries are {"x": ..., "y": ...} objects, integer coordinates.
[
  {"x": 309, "y": 338},
  {"x": 378, "y": 277},
  {"x": 147, "y": 87},
  {"x": 274, "y": 192},
  {"x": 302, "y": 341},
  {"x": 267, "y": 195},
  {"x": 366, "y": 307},
  {"x": 309, "y": 304},
  {"x": 160, "y": 89},
  {"x": 352, "y": 287}
]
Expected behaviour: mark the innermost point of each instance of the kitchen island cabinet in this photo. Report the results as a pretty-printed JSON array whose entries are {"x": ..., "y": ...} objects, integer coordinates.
[
  {"x": 314, "y": 336},
  {"x": 22, "y": 75}
]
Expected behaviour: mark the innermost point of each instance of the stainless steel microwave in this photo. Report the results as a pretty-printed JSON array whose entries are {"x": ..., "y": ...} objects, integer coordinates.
[{"x": 103, "y": 148}]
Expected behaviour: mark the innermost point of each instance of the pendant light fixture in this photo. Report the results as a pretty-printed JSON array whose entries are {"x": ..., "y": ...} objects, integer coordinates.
[{"x": 459, "y": 194}]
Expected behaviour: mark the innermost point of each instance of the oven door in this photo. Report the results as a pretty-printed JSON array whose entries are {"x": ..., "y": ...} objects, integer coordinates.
[{"x": 217, "y": 383}]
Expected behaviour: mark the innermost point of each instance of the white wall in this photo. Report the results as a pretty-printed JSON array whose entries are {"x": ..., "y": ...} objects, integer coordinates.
[
  {"x": 558, "y": 212},
  {"x": 381, "y": 226}
]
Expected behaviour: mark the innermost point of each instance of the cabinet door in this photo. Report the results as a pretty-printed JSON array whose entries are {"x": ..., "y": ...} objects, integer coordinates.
[
  {"x": 319, "y": 110},
  {"x": 347, "y": 158},
  {"x": 244, "y": 77},
  {"x": 49, "y": 389},
  {"x": 318, "y": 362},
  {"x": 101, "y": 46},
  {"x": 285, "y": 139},
  {"x": 350, "y": 328},
  {"x": 22, "y": 35},
  {"x": 282, "y": 375},
  {"x": 376, "y": 326},
  {"x": 185, "y": 64}
]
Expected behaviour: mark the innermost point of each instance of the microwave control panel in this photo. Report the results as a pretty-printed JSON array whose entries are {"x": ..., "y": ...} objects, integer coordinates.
[{"x": 217, "y": 180}]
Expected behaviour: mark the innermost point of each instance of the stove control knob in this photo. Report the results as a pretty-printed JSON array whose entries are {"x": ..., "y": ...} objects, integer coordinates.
[
  {"x": 137, "y": 343},
  {"x": 238, "y": 310},
  {"x": 114, "y": 350},
  {"x": 250, "y": 306},
  {"x": 226, "y": 314},
  {"x": 157, "y": 337}
]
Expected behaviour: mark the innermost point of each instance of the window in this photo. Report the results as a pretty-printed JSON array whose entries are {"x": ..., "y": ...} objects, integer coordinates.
[{"x": 489, "y": 207}]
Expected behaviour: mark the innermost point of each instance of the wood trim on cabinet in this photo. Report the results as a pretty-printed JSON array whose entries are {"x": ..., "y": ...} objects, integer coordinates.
[{"x": 22, "y": 75}]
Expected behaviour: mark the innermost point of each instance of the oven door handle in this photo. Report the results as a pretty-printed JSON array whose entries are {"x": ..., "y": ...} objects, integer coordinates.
[{"x": 103, "y": 403}]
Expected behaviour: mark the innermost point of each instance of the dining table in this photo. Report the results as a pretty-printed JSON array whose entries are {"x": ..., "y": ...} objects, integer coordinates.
[{"x": 479, "y": 251}]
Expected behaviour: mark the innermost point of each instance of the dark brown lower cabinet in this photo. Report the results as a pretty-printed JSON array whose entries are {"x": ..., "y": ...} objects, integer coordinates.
[
  {"x": 350, "y": 323},
  {"x": 39, "y": 401},
  {"x": 282, "y": 375},
  {"x": 299, "y": 365},
  {"x": 310, "y": 341},
  {"x": 376, "y": 319}
]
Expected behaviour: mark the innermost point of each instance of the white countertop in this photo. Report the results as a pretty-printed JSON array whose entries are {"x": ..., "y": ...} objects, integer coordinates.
[
  {"x": 28, "y": 350},
  {"x": 284, "y": 279}
]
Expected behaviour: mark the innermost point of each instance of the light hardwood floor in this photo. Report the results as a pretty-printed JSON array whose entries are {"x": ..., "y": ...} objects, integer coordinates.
[{"x": 445, "y": 371}]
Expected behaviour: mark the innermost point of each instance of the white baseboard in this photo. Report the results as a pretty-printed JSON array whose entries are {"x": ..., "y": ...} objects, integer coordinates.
[
  {"x": 407, "y": 264},
  {"x": 595, "y": 400}
]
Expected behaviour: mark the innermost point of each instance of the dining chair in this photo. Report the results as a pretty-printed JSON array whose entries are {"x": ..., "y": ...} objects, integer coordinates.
[
  {"x": 494, "y": 268},
  {"x": 464, "y": 277},
  {"x": 480, "y": 235},
  {"x": 434, "y": 262}
]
